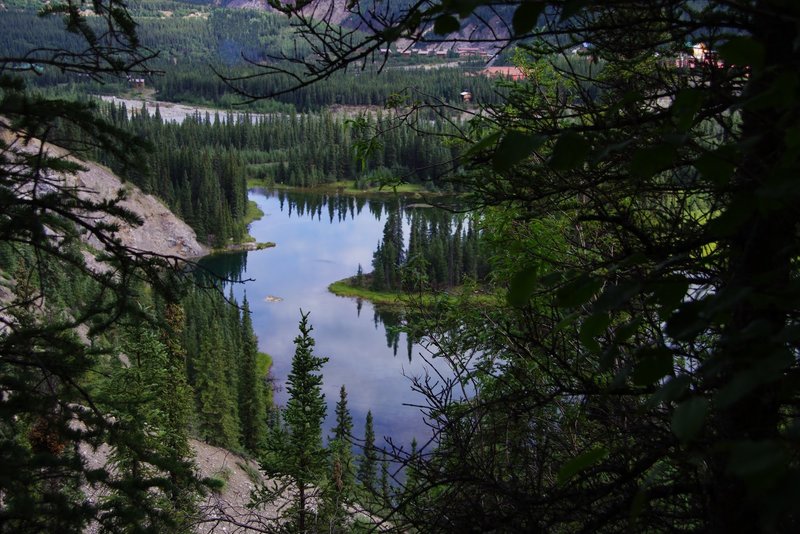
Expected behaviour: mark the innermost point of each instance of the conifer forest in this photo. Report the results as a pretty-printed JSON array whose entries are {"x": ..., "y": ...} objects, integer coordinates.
[{"x": 220, "y": 221}]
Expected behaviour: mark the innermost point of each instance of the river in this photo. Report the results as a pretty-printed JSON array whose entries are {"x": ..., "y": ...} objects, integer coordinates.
[{"x": 321, "y": 239}]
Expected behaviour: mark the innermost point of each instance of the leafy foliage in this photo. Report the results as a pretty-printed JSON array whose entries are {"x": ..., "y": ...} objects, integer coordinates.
[{"x": 644, "y": 378}]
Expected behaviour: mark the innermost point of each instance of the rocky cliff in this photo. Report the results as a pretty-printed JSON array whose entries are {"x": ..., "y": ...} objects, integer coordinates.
[{"x": 162, "y": 232}]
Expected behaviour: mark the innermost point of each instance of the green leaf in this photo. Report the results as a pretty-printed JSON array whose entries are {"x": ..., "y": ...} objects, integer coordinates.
[
  {"x": 581, "y": 463},
  {"x": 627, "y": 330},
  {"x": 525, "y": 16},
  {"x": 653, "y": 364},
  {"x": 687, "y": 321},
  {"x": 515, "y": 147},
  {"x": 522, "y": 287},
  {"x": 668, "y": 294},
  {"x": 445, "y": 24},
  {"x": 743, "y": 51},
  {"x": 688, "y": 418},
  {"x": 715, "y": 167},
  {"x": 566, "y": 321},
  {"x": 569, "y": 152},
  {"x": 483, "y": 144},
  {"x": 578, "y": 291},
  {"x": 593, "y": 326}
]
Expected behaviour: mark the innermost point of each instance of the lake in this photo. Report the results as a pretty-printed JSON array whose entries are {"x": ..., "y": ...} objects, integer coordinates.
[{"x": 321, "y": 239}]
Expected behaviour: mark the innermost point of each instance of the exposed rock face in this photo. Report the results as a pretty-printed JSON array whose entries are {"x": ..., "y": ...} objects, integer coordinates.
[
  {"x": 333, "y": 11},
  {"x": 484, "y": 32},
  {"x": 162, "y": 231}
]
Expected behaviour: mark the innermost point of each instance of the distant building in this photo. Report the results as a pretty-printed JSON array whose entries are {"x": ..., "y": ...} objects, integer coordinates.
[
  {"x": 475, "y": 51},
  {"x": 699, "y": 51},
  {"x": 512, "y": 73},
  {"x": 136, "y": 83},
  {"x": 466, "y": 96},
  {"x": 700, "y": 57}
]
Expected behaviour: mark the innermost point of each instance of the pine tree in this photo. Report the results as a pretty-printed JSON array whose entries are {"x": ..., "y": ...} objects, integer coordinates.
[
  {"x": 252, "y": 406},
  {"x": 340, "y": 486},
  {"x": 341, "y": 454},
  {"x": 143, "y": 400},
  {"x": 295, "y": 450},
  {"x": 177, "y": 406},
  {"x": 367, "y": 467},
  {"x": 214, "y": 397}
]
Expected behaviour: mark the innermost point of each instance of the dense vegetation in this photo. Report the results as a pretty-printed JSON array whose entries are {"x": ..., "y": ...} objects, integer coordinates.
[
  {"x": 199, "y": 166},
  {"x": 192, "y": 40},
  {"x": 442, "y": 251},
  {"x": 639, "y": 210},
  {"x": 329, "y": 486}
]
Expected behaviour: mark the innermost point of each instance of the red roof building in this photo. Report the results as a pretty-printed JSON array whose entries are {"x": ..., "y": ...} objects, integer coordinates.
[{"x": 512, "y": 73}]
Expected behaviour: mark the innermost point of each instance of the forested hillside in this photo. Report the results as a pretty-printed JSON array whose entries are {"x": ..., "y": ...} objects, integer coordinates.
[
  {"x": 297, "y": 150},
  {"x": 632, "y": 202},
  {"x": 194, "y": 39}
]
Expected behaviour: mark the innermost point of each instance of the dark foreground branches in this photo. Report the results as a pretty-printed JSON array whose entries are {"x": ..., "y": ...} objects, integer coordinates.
[
  {"x": 638, "y": 187},
  {"x": 67, "y": 311}
]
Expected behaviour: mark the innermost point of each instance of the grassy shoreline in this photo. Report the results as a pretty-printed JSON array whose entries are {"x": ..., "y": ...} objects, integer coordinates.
[
  {"x": 248, "y": 243},
  {"x": 347, "y": 187},
  {"x": 347, "y": 288}
]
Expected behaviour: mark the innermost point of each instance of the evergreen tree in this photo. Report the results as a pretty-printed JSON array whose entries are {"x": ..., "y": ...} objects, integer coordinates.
[
  {"x": 296, "y": 451},
  {"x": 177, "y": 406},
  {"x": 141, "y": 395},
  {"x": 214, "y": 396},
  {"x": 368, "y": 465},
  {"x": 51, "y": 405},
  {"x": 252, "y": 405},
  {"x": 660, "y": 349},
  {"x": 341, "y": 454},
  {"x": 340, "y": 486}
]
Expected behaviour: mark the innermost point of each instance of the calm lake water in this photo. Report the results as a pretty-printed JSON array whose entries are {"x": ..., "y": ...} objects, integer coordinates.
[{"x": 321, "y": 239}]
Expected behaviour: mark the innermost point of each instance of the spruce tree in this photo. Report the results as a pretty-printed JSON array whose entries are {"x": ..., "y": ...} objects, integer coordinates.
[
  {"x": 141, "y": 397},
  {"x": 177, "y": 406},
  {"x": 341, "y": 454},
  {"x": 295, "y": 452},
  {"x": 340, "y": 484},
  {"x": 368, "y": 465},
  {"x": 214, "y": 397},
  {"x": 252, "y": 406}
]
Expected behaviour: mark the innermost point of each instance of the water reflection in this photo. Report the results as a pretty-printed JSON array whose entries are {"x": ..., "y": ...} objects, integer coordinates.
[
  {"x": 336, "y": 207},
  {"x": 321, "y": 239}
]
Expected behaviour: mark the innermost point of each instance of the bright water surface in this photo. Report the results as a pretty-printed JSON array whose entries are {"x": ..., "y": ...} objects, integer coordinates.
[{"x": 319, "y": 242}]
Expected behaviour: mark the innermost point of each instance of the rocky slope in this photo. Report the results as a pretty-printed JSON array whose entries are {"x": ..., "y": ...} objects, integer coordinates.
[{"x": 162, "y": 232}]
